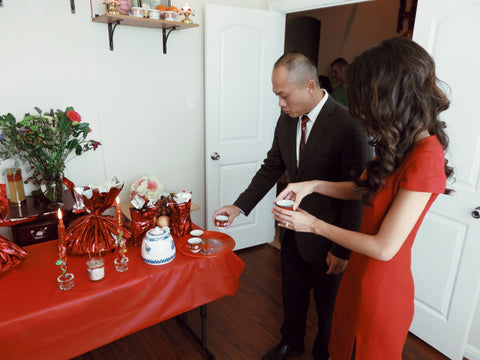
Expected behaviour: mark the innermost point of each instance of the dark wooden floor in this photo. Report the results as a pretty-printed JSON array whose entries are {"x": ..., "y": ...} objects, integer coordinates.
[{"x": 240, "y": 327}]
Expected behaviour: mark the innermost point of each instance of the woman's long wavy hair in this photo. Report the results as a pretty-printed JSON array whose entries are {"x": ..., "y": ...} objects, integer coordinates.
[{"x": 392, "y": 90}]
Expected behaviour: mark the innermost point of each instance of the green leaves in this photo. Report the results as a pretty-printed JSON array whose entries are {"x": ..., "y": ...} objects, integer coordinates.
[{"x": 46, "y": 140}]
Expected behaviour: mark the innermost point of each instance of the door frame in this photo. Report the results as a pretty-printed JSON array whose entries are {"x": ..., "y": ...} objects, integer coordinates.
[{"x": 288, "y": 6}]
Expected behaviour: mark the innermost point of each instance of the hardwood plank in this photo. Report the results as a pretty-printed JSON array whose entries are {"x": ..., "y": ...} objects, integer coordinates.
[{"x": 240, "y": 327}]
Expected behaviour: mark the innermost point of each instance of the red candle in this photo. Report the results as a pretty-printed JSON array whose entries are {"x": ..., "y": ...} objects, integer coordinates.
[
  {"x": 61, "y": 227},
  {"x": 118, "y": 214},
  {"x": 62, "y": 249}
]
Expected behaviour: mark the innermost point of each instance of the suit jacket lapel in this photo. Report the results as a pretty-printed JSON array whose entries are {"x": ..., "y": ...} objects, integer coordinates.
[{"x": 318, "y": 131}]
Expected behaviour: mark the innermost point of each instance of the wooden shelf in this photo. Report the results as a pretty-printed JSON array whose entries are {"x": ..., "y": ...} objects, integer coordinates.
[{"x": 113, "y": 20}]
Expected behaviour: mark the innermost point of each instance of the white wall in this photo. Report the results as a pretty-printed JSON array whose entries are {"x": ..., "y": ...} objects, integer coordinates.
[{"x": 135, "y": 98}]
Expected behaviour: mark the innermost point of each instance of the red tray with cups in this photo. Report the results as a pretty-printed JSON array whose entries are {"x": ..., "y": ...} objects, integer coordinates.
[{"x": 214, "y": 243}]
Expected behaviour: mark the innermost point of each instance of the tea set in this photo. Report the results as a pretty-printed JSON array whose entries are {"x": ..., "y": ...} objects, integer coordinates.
[{"x": 158, "y": 246}]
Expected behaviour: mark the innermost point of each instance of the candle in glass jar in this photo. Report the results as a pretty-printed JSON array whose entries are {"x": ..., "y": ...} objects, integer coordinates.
[{"x": 96, "y": 269}]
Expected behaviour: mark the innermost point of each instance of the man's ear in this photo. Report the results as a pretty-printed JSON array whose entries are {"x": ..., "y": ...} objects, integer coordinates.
[{"x": 310, "y": 85}]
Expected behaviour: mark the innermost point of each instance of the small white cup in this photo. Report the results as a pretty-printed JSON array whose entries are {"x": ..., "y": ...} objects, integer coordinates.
[
  {"x": 169, "y": 15},
  {"x": 194, "y": 244},
  {"x": 221, "y": 221},
  {"x": 285, "y": 204},
  {"x": 196, "y": 233},
  {"x": 154, "y": 14},
  {"x": 137, "y": 11}
]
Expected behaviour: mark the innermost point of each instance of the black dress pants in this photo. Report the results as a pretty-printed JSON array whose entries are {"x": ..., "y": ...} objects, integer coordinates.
[{"x": 298, "y": 277}]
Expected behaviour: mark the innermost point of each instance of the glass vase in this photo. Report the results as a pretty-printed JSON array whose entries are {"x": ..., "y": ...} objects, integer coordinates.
[{"x": 52, "y": 189}]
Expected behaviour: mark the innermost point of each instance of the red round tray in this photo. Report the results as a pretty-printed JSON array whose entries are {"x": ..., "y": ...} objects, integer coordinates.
[{"x": 214, "y": 243}]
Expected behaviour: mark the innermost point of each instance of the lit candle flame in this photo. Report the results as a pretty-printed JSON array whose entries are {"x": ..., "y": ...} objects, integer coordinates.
[{"x": 59, "y": 214}]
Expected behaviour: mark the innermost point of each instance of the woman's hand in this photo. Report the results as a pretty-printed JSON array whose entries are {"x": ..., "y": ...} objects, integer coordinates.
[
  {"x": 296, "y": 192},
  {"x": 298, "y": 220}
]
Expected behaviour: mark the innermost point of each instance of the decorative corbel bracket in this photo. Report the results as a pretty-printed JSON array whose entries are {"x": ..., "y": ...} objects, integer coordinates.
[
  {"x": 111, "y": 30},
  {"x": 165, "y": 38}
]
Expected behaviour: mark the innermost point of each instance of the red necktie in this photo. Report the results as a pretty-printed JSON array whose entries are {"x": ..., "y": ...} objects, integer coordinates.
[{"x": 302, "y": 138}]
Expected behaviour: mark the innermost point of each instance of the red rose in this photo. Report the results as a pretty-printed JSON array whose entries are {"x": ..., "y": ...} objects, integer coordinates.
[{"x": 74, "y": 116}]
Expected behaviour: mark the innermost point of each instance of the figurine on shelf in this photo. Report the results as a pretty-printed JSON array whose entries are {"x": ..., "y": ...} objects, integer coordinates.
[
  {"x": 112, "y": 7},
  {"x": 186, "y": 10}
]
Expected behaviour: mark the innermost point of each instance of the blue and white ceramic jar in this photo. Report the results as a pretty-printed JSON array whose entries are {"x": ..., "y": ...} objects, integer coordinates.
[{"x": 158, "y": 247}]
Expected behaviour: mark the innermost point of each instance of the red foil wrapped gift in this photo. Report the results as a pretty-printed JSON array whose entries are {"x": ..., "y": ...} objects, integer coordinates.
[
  {"x": 180, "y": 221},
  {"x": 142, "y": 221},
  {"x": 10, "y": 255},
  {"x": 93, "y": 233},
  {"x": 4, "y": 204}
]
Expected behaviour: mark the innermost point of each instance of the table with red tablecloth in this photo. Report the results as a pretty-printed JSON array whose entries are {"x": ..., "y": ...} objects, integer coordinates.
[{"x": 40, "y": 321}]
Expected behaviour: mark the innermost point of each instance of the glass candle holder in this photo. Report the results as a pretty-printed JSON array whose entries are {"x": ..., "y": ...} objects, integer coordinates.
[
  {"x": 121, "y": 264},
  {"x": 96, "y": 268},
  {"x": 66, "y": 281},
  {"x": 15, "y": 186}
]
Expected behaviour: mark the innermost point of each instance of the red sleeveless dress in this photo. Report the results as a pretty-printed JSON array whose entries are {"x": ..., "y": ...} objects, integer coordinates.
[{"x": 374, "y": 305}]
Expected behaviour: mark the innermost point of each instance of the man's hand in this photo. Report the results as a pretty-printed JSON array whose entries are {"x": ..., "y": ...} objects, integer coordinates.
[
  {"x": 335, "y": 265},
  {"x": 232, "y": 211}
]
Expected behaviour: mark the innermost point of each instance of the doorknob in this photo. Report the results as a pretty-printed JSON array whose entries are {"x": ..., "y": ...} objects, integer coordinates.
[
  {"x": 215, "y": 156},
  {"x": 476, "y": 213}
]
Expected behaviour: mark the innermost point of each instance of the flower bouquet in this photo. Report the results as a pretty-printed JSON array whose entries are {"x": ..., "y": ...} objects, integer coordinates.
[
  {"x": 46, "y": 141},
  {"x": 94, "y": 233}
]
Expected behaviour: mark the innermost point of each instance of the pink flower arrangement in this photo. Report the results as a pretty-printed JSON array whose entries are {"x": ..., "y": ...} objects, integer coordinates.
[{"x": 147, "y": 187}]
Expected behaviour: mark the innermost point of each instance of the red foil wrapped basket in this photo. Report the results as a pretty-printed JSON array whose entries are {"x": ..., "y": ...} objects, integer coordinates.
[
  {"x": 4, "y": 203},
  {"x": 180, "y": 221},
  {"x": 93, "y": 233},
  {"x": 142, "y": 221},
  {"x": 11, "y": 255}
]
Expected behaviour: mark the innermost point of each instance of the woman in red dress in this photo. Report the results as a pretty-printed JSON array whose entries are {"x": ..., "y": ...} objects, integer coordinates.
[{"x": 393, "y": 92}]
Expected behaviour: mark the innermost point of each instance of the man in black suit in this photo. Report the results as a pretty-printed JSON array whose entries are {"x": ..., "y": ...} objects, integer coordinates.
[{"x": 333, "y": 148}]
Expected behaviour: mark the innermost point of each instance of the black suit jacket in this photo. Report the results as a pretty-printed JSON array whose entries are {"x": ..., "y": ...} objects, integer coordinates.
[{"x": 335, "y": 147}]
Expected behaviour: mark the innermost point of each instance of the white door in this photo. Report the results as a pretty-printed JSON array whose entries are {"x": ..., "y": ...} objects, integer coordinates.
[
  {"x": 446, "y": 254},
  {"x": 241, "y": 46}
]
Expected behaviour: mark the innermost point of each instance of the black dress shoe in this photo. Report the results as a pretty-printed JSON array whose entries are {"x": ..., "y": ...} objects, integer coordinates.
[{"x": 283, "y": 351}]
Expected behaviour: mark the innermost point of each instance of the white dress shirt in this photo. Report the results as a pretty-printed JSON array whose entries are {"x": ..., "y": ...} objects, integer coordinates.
[{"x": 312, "y": 116}]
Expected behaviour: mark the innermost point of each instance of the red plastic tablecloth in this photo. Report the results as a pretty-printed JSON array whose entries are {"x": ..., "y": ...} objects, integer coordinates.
[{"x": 40, "y": 321}]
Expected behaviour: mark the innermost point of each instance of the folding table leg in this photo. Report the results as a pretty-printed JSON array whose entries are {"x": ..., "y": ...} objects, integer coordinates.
[{"x": 203, "y": 338}]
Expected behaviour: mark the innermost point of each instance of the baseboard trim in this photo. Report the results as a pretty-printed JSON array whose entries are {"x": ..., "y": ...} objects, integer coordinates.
[{"x": 472, "y": 353}]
